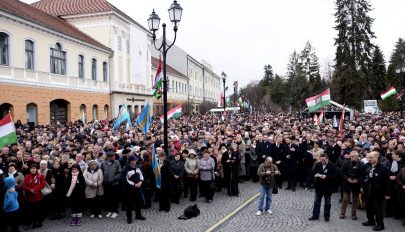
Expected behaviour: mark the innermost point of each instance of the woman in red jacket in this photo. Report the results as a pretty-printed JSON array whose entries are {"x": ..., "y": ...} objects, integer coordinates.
[{"x": 33, "y": 183}]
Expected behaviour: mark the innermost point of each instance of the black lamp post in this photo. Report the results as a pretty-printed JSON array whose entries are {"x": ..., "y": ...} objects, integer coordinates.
[
  {"x": 400, "y": 71},
  {"x": 224, "y": 81},
  {"x": 175, "y": 12},
  {"x": 235, "y": 89}
]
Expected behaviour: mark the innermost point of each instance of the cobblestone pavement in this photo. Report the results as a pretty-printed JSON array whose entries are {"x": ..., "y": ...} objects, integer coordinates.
[{"x": 291, "y": 211}]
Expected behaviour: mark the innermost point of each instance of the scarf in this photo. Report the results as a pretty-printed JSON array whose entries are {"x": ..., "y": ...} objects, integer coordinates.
[
  {"x": 73, "y": 183},
  {"x": 394, "y": 166}
]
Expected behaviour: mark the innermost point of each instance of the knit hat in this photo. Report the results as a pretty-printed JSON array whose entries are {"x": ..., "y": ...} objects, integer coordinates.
[{"x": 132, "y": 158}]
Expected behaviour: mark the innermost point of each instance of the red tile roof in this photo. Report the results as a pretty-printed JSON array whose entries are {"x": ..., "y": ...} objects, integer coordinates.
[
  {"x": 170, "y": 69},
  {"x": 41, "y": 18},
  {"x": 77, "y": 7}
]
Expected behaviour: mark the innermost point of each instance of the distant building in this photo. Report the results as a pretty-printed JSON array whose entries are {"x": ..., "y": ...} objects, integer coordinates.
[
  {"x": 49, "y": 70},
  {"x": 131, "y": 64}
]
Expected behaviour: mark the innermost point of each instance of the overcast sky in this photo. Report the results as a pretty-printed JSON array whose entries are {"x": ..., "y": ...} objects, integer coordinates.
[{"x": 239, "y": 37}]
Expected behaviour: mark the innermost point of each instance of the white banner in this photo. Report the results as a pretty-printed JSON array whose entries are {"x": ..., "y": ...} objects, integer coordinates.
[{"x": 371, "y": 106}]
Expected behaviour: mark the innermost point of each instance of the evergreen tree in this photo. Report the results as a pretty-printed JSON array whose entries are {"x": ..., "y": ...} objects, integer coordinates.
[
  {"x": 297, "y": 84},
  {"x": 353, "y": 51},
  {"x": 268, "y": 76},
  {"x": 278, "y": 92},
  {"x": 377, "y": 83},
  {"x": 310, "y": 66}
]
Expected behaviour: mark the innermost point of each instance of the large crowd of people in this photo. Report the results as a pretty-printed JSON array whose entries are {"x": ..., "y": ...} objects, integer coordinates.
[{"x": 60, "y": 170}]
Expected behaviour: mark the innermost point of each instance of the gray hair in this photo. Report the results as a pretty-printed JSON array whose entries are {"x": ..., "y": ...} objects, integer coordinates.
[{"x": 268, "y": 158}]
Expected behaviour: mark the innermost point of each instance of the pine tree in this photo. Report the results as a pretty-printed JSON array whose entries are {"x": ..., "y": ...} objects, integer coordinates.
[
  {"x": 377, "y": 74},
  {"x": 268, "y": 76},
  {"x": 297, "y": 83},
  {"x": 310, "y": 66},
  {"x": 353, "y": 51}
]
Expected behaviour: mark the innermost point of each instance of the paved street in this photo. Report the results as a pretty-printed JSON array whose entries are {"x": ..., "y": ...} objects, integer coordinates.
[{"x": 291, "y": 211}]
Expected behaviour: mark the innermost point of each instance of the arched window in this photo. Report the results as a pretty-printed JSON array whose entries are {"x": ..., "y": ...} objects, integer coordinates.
[
  {"x": 4, "y": 48},
  {"x": 106, "y": 108},
  {"x": 83, "y": 112},
  {"x": 93, "y": 69},
  {"x": 81, "y": 66},
  {"x": 29, "y": 54},
  {"x": 58, "y": 60},
  {"x": 105, "y": 72},
  {"x": 32, "y": 113},
  {"x": 95, "y": 114}
]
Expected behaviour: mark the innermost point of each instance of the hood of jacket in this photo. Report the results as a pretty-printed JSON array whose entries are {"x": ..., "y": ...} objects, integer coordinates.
[{"x": 9, "y": 182}]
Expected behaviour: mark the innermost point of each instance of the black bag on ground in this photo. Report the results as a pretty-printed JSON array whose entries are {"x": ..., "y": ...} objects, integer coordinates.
[{"x": 190, "y": 212}]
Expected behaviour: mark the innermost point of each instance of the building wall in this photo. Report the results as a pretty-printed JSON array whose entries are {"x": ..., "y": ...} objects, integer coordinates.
[
  {"x": 20, "y": 96},
  {"x": 20, "y": 86},
  {"x": 131, "y": 64}
]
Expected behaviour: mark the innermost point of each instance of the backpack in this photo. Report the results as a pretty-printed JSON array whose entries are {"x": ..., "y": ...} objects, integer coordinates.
[{"x": 190, "y": 212}]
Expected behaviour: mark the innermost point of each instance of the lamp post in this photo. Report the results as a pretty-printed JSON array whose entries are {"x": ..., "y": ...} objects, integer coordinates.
[
  {"x": 235, "y": 89},
  {"x": 175, "y": 12},
  {"x": 399, "y": 71},
  {"x": 224, "y": 81}
]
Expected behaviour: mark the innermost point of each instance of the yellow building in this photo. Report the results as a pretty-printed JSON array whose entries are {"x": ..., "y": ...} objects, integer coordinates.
[{"x": 49, "y": 70}]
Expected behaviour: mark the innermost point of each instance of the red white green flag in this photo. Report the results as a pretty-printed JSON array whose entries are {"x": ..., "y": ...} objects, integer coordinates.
[
  {"x": 173, "y": 113},
  {"x": 7, "y": 131},
  {"x": 319, "y": 119},
  {"x": 391, "y": 91},
  {"x": 318, "y": 101},
  {"x": 158, "y": 82},
  {"x": 342, "y": 120}
]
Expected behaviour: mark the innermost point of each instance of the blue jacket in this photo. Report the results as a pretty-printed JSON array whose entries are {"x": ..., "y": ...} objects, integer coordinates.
[{"x": 10, "y": 200}]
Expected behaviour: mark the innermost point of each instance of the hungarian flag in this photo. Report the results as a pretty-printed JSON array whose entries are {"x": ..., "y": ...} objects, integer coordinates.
[
  {"x": 158, "y": 82},
  {"x": 318, "y": 101},
  {"x": 228, "y": 101},
  {"x": 319, "y": 119},
  {"x": 173, "y": 113},
  {"x": 7, "y": 131},
  {"x": 391, "y": 91},
  {"x": 220, "y": 101},
  {"x": 399, "y": 95},
  {"x": 315, "y": 118},
  {"x": 240, "y": 102},
  {"x": 342, "y": 119}
]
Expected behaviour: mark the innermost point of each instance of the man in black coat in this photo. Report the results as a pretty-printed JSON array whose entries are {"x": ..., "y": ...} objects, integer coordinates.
[
  {"x": 393, "y": 206},
  {"x": 278, "y": 152},
  {"x": 376, "y": 190},
  {"x": 352, "y": 173},
  {"x": 334, "y": 152},
  {"x": 294, "y": 154},
  {"x": 325, "y": 174},
  {"x": 131, "y": 180}
]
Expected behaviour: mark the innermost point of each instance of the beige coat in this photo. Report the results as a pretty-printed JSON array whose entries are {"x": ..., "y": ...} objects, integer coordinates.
[{"x": 90, "y": 178}]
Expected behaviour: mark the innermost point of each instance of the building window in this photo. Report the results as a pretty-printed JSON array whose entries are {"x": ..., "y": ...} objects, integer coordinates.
[
  {"x": 119, "y": 43},
  {"x": 93, "y": 69},
  {"x": 3, "y": 48},
  {"x": 128, "y": 47},
  {"x": 105, "y": 72},
  {"x": 106, "y": 111},
  {"x": 58, "y": 60},
  {"x": 95, "y": 109},
  {"x": 29, "y": 54},
  {"x": 81, "y": 66}
]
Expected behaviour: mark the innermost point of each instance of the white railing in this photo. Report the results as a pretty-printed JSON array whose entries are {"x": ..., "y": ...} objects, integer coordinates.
[
  {"x": 35, "y": 77},
  {"x": 130, "y": 88}
]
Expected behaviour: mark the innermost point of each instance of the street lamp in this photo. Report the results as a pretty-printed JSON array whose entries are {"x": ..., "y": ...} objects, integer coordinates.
[
  {"x": 399, "y": 71},
  {"x": 224, "y": 81},
  {"x": 175, "y": 12},
  {"x": 235, "y": 89}
]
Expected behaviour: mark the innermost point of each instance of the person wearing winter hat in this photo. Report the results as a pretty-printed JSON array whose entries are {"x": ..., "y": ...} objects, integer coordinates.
[
  {"x": 131, "y": 180},
  {"x": 94, "y": 188},
  {"x": 75, "y": 185},
  {"x": 11, "y": 205},
  {"x": 191, "y": 168}
]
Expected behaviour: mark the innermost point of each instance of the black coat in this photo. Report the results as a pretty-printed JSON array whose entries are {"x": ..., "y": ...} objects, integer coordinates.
[
  {"x": 59, "y": 176},
  {"x": 231, "y": 167},
  {"x": 376, "y": 183},
  {"x": 353, "y": 170},
  {"x": 326, "y": 185},
  {"x": 334, "y": 153},
  {"x": 77, "y": 195}
]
